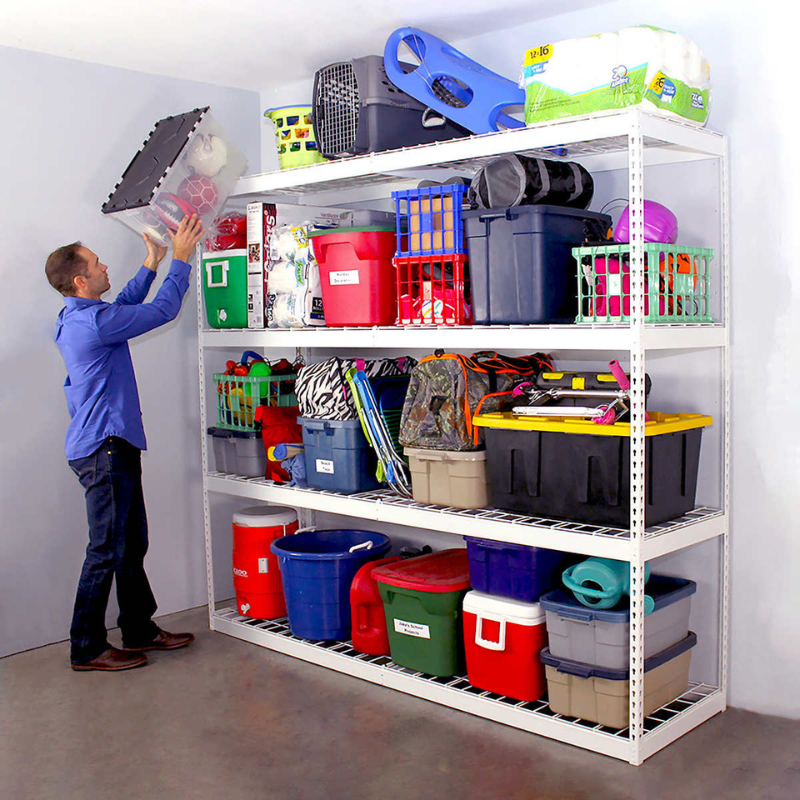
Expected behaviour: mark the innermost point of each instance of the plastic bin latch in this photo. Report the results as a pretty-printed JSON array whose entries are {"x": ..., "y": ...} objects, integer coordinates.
[{"x": 487, "y": 643}]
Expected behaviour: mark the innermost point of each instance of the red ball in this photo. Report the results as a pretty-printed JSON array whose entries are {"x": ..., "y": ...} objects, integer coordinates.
[{"x": 201, "y": 192}]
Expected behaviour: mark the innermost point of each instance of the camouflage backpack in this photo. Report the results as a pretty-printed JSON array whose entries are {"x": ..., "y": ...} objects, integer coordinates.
[{"x": 448, "y": 389}]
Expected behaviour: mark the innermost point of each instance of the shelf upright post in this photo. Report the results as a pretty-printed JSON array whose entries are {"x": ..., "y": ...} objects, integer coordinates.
[
  {"x": 203, "y": 438},
  {"x": 637, "y": 450}
]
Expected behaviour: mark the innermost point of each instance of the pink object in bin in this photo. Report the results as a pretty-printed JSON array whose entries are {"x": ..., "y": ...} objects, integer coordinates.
[{"x": 660, "y": 224}]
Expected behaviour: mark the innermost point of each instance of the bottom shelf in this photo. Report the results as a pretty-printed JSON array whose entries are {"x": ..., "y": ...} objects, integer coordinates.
[{"x": 668, "y": 723}]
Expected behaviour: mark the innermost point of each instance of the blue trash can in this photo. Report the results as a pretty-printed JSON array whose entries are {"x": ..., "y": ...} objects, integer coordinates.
[{"x": 317, "y": 568}]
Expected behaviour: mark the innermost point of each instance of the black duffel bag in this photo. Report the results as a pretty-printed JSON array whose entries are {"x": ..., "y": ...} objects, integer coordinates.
[{"x": 515, "y": 180}]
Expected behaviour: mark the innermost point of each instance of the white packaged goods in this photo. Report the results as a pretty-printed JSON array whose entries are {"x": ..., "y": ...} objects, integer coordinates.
[{"x": 660, "y": 70}]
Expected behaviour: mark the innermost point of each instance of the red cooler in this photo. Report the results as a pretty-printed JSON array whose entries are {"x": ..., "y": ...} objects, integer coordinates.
[
  {"x": 366, "y": 610},
  {"x": 256, "y": 576},
  {"x": 503, "y": 639},
  {"x": 359, "y": 286}
]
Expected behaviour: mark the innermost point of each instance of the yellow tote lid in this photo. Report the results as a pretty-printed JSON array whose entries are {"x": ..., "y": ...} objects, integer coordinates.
[{"x": 658, "y": 424}]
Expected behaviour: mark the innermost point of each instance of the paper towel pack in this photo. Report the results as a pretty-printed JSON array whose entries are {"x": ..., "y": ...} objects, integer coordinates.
[{"x": 661, "y": 70}]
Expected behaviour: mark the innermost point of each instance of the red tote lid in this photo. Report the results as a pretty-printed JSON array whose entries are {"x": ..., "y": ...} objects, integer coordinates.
[{"x": 445, "y": 571}]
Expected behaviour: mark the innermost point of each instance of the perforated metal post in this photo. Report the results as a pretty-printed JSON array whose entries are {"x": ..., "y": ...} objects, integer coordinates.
[{"x": 637, "y": 439}]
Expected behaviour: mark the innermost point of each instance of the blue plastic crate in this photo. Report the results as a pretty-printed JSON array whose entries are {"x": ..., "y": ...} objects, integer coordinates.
[
  {"x": 338, "y": 456},
  {"x": 513, "y": 570},
  {"x": 429, "y": 220}
]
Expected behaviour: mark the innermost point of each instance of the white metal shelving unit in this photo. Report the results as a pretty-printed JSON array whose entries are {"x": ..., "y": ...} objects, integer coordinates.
[{"x": 631, "y": 140}]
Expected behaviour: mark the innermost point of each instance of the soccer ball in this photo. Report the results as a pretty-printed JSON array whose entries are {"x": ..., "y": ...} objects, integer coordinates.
[
  {"x": 201, "y": 193},
  {"x": 207, "y": 155}
]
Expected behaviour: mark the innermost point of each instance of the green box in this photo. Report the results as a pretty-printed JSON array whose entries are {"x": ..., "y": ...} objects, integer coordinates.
[{"x": 225, "y": 288}]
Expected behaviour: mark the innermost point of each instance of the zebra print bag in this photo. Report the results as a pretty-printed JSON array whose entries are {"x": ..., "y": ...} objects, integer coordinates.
[{"x": 322, "y": 390}]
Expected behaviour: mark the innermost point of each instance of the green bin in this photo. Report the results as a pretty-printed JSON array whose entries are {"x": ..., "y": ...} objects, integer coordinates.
[
  {"x": 225, "y": 288},
  {"x": 422, "y": 600}
]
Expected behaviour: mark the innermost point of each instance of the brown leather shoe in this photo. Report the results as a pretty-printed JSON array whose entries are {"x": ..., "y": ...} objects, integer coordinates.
[
  {"x": 113, "y": 660},
  {"x": 164, "y": 641}
]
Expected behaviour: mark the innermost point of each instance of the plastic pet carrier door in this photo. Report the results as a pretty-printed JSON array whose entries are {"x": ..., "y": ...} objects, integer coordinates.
[{"x": 357, "y": 109}]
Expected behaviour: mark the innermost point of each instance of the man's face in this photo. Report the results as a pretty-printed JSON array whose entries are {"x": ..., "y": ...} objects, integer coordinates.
[{"x": 96, "y": 282}]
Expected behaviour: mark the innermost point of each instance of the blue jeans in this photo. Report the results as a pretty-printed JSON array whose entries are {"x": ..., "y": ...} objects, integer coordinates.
[{"x": 112, "y": 480}]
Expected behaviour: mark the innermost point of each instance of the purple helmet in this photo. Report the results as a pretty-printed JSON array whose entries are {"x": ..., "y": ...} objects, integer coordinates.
[{"x": 660, "y": 224}]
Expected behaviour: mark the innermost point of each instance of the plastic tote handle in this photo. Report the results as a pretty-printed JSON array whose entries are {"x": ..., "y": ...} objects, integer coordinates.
[
  {"x": 486, "y": 643},
  {"x": 223, "y": 282},
  {"x": 363, "y": 546}
]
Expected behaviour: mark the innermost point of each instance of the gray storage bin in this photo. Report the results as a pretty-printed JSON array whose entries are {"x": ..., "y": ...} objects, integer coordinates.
[
  {"x": 596, "y": 694},
  {"x": 239, "y": 452},
  {"x": 601, "y": 637}
]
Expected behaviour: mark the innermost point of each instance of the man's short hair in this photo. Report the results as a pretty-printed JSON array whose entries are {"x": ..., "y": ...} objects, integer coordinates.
[{"x": 63, "y": 265}]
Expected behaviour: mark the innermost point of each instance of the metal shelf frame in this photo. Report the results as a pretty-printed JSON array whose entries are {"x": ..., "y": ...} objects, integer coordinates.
[{"x": 631, "y": 140}]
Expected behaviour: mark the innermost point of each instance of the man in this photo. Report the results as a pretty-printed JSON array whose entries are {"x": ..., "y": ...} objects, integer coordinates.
[{"x": 105, "y": 439}]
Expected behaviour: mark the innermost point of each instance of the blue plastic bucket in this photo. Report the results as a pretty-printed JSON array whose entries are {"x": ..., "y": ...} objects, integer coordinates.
[{"x": 317, "y": 568}]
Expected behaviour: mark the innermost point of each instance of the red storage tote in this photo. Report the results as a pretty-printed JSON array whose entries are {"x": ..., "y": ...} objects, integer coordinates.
[
  {"x": 256, "y": 575},
  {"x": 366, "y": 610},
  {"x": 503, "y": 640},
  {"x": 359, "y": 286}
]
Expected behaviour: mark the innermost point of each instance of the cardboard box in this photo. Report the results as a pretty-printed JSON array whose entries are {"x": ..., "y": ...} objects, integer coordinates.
[{"x": 261, "y": 219}]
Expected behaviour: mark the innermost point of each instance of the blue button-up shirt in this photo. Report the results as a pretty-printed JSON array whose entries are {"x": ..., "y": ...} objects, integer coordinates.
[{"x": 101, "y": 391}]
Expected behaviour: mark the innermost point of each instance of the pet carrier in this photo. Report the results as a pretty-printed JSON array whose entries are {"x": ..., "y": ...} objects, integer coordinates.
[{"x": 357, "y": 109}]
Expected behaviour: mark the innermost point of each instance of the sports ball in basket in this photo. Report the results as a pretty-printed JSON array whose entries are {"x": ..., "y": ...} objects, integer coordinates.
[
  {"x": 172, "y": 209},
  {"x": 201, "y": 193},
  {"x": 207, "y": 155}
]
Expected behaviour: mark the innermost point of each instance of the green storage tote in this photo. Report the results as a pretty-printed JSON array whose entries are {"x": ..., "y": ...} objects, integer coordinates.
[
  {"x": 225, "y": 288},
  {"x": 422, "y": 600}
]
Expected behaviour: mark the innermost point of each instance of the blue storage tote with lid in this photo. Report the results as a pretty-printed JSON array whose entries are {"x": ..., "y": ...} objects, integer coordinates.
[
  {"x": 602, "y": 695},
  {"x": 601, "y": 637},
  {"x": 512, "y": 570},
  {"x": 338, "y": 456}
]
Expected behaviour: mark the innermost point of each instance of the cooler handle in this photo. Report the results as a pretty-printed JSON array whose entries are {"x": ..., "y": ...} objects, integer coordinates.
[
  {"x": 489, "y": 645},
  {"x": 223, "y": 281},
  {"x": 363, "y": 546}
]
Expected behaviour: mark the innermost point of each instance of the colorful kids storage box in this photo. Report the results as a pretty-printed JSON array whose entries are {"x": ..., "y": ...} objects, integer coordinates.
[
  {"x": 187, "y": 165},
  {"x": 256, "y": 575},
  {"x": 422, "y": 600},
  {"x": 225, "y": 288},
  {"x": 449, "y": 478},
  {"x": 294, "y": 136},
  {"x": 317, "y": 569},
  {"x": 515, "y": 571},
  {"x": 359, "y": 286},
  {"x": 239, "y": 452},
  {"x": 602, "y": 637},
  {"x": 522, "y": 270},
  {"x": 599, "y": 694},
  {"x": 502, "y": 641},
  {"x": 587, "y": 474},
  {"x": 366, "y": 610},
  {"x": 338, "y": 456}
]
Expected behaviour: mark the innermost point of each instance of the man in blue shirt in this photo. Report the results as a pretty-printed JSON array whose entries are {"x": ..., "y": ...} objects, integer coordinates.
[{"x": 105, "y": 439}]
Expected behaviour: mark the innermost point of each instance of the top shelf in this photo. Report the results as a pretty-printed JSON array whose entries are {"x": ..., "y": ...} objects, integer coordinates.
[{"x": 599, "y": 142}]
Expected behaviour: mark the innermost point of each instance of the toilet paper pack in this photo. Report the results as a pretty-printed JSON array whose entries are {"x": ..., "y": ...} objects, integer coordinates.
[{"x": 660, "y": 70}]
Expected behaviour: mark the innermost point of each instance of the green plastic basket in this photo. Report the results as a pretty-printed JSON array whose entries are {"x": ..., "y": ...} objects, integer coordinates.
[
  {"x": 676, "y": 283},
  {"x": 239, "y": 397}
]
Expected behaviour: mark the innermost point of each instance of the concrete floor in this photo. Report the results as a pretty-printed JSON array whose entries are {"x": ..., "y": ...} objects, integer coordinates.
[{"x": 227, "y": 719}]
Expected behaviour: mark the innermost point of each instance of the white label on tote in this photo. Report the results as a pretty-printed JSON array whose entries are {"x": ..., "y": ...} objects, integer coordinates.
[
  {"x": 412, "y": 629},
  {"x": 323, "y": 465},
  {"x": 263, "y": 565},
  {"x": 344, "y": 277}
]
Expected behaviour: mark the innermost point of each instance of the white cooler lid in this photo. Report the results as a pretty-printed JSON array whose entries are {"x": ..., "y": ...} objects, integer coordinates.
[
  {"x": 264, "y": 516},
  {"x": 514, "y": 611}
]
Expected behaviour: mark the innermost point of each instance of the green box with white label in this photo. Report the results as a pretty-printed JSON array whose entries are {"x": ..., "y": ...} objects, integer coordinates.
[
  {"x": 422, "y": 600},
  {"x": 225, "y": 288}
]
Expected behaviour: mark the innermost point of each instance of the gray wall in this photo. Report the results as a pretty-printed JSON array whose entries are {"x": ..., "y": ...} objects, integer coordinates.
[{"x": 69, "y": 131}]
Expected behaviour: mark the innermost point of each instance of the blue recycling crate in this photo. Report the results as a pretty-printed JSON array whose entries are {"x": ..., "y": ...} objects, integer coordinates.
[{"x": 429, "y": 220}]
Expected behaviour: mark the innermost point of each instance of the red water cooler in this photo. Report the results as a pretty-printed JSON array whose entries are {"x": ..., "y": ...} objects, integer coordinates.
[{"x": 256, "y": 577}]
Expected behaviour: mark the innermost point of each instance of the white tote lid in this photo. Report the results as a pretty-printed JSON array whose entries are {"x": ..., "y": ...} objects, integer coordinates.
[{"x": 264, "y": 516}]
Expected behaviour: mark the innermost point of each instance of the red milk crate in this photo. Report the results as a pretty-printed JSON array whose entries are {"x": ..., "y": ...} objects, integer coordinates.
[{"x": 433, "y": 290}]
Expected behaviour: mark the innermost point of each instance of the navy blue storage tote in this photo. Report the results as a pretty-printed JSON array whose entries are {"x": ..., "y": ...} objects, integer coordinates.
[
  {"x": 513, "y": 570},
  {"x": 521, "y": 265},
  {"x": 338, "y": 456}
]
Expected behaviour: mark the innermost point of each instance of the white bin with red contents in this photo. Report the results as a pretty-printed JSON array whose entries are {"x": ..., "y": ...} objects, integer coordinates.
[
  {"x": 256, "y": 575},
  {"x": 503, "y": 639}
]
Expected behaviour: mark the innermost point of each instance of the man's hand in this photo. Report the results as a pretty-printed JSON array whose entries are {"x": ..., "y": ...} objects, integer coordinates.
[
  {"x": 189, "y": 232},
  {"x": 155, "y": 252}
]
